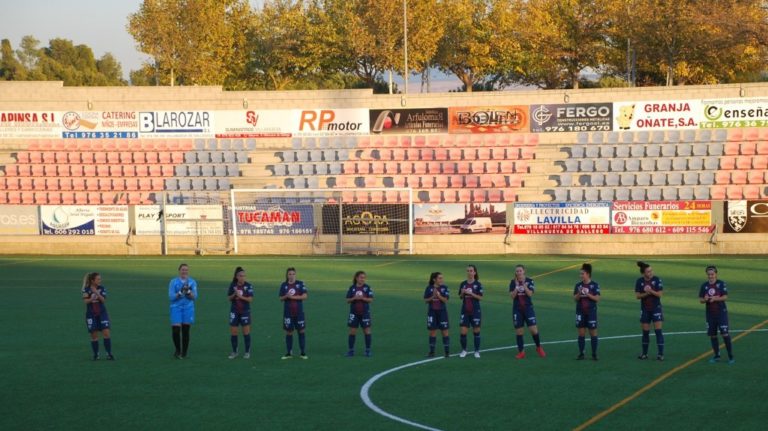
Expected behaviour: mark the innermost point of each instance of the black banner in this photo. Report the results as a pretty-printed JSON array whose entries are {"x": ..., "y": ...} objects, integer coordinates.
[
  {"x": 358, "y": 219},
  {"x": 577, "y": 117},
  {"x": 746, "y": 217},
  {"x": 386, "y": 121}
]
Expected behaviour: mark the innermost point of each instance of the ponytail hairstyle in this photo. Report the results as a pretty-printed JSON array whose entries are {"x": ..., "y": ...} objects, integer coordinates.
[
  {"x": 477, "y": 275},
  {"x": 711, "y": 268},
  {"x": 587, "y": 267},
  {"x": 238, "y": 270},
  {"x": 289, "y": 270},
  {"x": 357, "y": 274},
  {"x": 433, "y": 278},
  {"x": 643, "y": 266},
  {"x": 88, "y": 279}
]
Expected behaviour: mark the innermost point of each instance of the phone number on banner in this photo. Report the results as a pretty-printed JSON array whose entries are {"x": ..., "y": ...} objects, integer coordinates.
[{"x": 100, "y": 135}]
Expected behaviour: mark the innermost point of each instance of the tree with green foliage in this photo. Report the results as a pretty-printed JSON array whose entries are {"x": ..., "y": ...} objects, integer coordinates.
[{"x": 11, "y": 68}]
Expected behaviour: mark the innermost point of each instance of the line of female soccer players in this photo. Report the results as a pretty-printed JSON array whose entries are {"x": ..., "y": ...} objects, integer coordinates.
[{"x": 182, "y": 293}]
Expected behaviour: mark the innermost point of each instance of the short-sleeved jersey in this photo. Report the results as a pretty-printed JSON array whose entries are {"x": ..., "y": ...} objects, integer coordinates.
[
  {"x": 469, "y": 304},
  {"x": 585, "y": 305},
  {"x": 175, "y": 286},
  {"x": 521, "y": 300},
  {"x": 717, "y": 289},
  {"x": 238, "y": 305},
  {"x": 650, "y": 302},
  {"x": 292, "y": 307},
  {"x": 359, "y": 307},
  {"x": 436, "y": 304},
  {"x": 94, "y": 308}
]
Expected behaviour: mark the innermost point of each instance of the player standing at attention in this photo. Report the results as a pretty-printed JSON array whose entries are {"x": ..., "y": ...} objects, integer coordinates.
[
  {"x": 359, "y": 298},
  {"x": 521, "y": 290},
  {"x": 240, "y": 294},
  {"x": 96, "y": 317},
  {"x": 436, "y": 296},
  {"x": 648, "y": 289},
  {"x": 293, "y": 293},
  {"x": 586, "y": 294},
  {"x": 182, "y": 292},
  {"x": 471, "y": 293},
  {"x": 714, "y": 293}
]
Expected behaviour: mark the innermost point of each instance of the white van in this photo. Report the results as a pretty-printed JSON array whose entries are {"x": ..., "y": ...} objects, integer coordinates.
[{"x": 477, "y": 224}]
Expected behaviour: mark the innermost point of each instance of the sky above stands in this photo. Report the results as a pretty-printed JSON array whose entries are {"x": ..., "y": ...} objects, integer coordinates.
[{"x": 102, "y": 24}]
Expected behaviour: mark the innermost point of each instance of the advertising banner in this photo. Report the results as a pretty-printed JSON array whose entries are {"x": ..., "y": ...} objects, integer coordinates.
[
  {"x": 30, "y": 124},
  {"x": 100, "y": 125},
  {"x": 19, "y": 220},
  {"x": 657, "y": 115},
  {"x": 252, "y": 124},
  {"x": 438, "y": 219},
  {"x": 746, "y": 216},
  {"x": 728, "y": 113},
  {"x": 576, "y": 117},
  {"x": 176, "y": 124},
  {"x": 385, "y": 219},
  {"x": 563, "y": 218},
  {"x": 112, "y": 220},
  {"x": 662, "y": 217},
  {"x": 274, "y": 219},
  {"x": 329, "y": 122},
  {"x": 180, "y": 220},
  {"x": 67, "y": 220},
  {"x": 405, "y": 121},
  {"x": 488, "y": 119}
]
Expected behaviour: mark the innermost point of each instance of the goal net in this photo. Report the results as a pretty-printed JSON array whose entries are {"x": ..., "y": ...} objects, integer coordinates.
[{"x": 322, "y": 221}]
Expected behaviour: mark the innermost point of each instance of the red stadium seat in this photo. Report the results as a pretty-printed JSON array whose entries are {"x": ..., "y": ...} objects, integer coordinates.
[
  {"x": 65, "y": 184},
  {"x": 527, "y": 153},
  {"x": 761, "y": 147},
  {"x": 38, "y": 170},
  {"x": 68, "y": 198},
  {"x": 100, "y": 158},
  {"x": 748, "y": 148},
  {"x": 479, "y": 166},
  {"x": 54, "y": 198},
  {"x": 760, "y": 162},
  {"x": 14, "y": 197},
  {"x": 448, "y": 167},
  {"x": 63, "y": 157},
  {"x": 515, "y": 180},
  {"x": 744, "y": 162},
  {"x": 734, "y": 193},
  {"x": 12, "y": 183},
  {"x": 732, "y": 148},
  {"x": 751, "y": 192},
  {"x": 723, "y": 177},
  {"x": 49, "y": 157},
  {"x": 27, "y": 198},
  {"x": 471, "y": 181},
  {"x": 755, "y": 177},
  {"x": 728, "y": 162},
  {"x": 78, "y": 184},
  {"x": 25, "y": 183}
]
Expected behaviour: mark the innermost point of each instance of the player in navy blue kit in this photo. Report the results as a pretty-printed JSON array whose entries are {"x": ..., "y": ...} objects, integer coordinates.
[
  {"x": 471, "y": 293},
  {"x": 436, "y": 296},
  {"x": 521, "y": 290},
  {"x": 714, "y": 293},
  {"x": 648, "y": 289},
  {"x": 293, "y": 293},
  {"x": 586, "y": 294},
  {"x": 240, "y": 295},
  {"x": 182, "y": 292},
  {"x": 359, "y": 298},
  {"x": 96, "y": 317}
]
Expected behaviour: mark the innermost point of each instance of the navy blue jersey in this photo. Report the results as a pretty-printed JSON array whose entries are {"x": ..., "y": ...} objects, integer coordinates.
[
  {"x": 650, "y": 302},
  {"x": 521, "y": 300},
  {"x": 95, "y": 308},
  {"x": 469, "y": 304},
  {"x": 436, "y": 304},
  {"x": 585, "y": 305},
  {"x": 359, "y": 307},
  {"x": 292, "y": 307},
  {"x": 717, "y": 289},
  {"x": 238, "y": 305}
]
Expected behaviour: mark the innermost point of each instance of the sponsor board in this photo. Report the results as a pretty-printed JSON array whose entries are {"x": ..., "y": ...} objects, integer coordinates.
[
  {"x": 28, "y": 124},
  {"x": 657, "y": 115},
  {"x": 176, "y": 124},
  {"x": 19, "y": 220},
  {"x": 576, "y": 117},
  {"x": 730, "y": 113},
  {"x": 67, "y": 220},
  {"x": 488, "y": 119},
  {"x": 330, "y": 122},
  {"x": 100, "y": 125},
  {"x": 562, "y": 218},
  {"x": 661, "y": 217},
  {"x": 372, "y": 219},
  {"x": 274, "y": 219},
  {"x": 252, "y": 124},
  {"x": 404, "y": 121},
  {"x": 746, "y": 216},
  {"x": 180, "y": 220},
  {"x": 439, "y": 219}
]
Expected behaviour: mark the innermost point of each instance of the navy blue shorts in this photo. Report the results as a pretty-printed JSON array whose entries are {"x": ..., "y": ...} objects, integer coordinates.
[
  {"x": 359, "y": 320},
  {"x": 294, "y": 322},
  {"x": 437, "y": 319}
]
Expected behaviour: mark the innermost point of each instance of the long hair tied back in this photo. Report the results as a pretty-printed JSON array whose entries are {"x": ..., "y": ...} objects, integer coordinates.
[
  {"x": 643, "y": 266},
  {"x": 238, "y": 270},
  {"x": 587, "y": 267},
  {"x": 88, "y": 279}
]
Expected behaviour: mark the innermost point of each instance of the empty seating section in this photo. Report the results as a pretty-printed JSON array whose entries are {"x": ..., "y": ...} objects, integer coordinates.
[
  {"x": 440, "y": 168},
  {"x": 669, "y": 165}
]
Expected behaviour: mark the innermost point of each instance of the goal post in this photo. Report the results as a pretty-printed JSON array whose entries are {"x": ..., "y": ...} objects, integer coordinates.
[{"x": 322, "y": 221}]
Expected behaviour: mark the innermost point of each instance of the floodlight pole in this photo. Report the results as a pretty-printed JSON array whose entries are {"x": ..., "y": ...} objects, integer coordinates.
[{"x": 405, "y": 44}]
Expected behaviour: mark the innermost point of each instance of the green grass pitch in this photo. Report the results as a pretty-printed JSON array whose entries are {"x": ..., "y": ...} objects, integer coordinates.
[{"x": 50, "y": 382}]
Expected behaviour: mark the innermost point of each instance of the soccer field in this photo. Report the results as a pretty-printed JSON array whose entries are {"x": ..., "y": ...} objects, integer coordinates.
[{"x": 50, "y": 382}]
